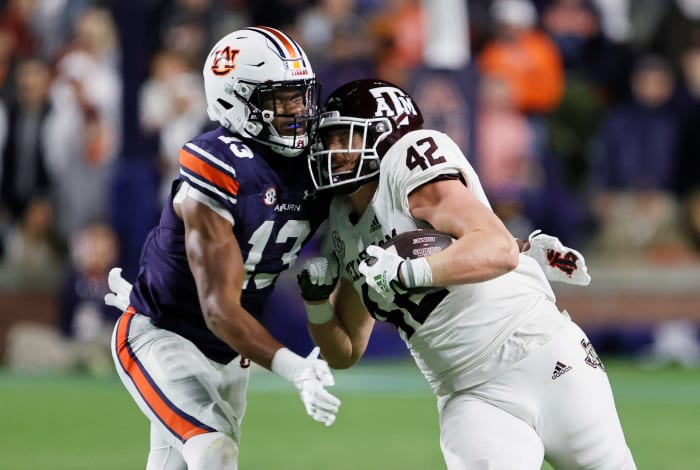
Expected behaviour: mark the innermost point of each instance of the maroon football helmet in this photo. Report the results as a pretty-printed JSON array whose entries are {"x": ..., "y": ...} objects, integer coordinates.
[{"x": 371, "y": 115}]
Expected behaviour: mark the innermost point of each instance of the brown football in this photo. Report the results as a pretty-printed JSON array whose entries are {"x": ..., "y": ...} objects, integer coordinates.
[{"x": 418, "y": 243}]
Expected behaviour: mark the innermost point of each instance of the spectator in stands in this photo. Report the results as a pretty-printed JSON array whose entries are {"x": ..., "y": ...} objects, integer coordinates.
[
  {"x": 53, "y": 22},
  {"x": 399, "y": 32},
  {"x": 524, "y": 56},
  {"x": 85, "y": 323},
  {"x": 503, "y": 156},
  {"x": 82, "y": 313},
  {"x": 331, "y": 30},
  {"x": 190, "y": 27},
  {"x": 85, "y": 130},
  {"x": 31, "y": 243},
  {"x": 25, "y": 186},
  {"x": 79, "y": 339},
  {"x": 587, "y": 53},
  {"x": 23, "y": 168},
  {"x": 338, "y": 42},
  {"x": 634, "y": 166},
  {"x": 596, "y": 70},
  {"x": 529, "y": 62},
  {"x": 173, "y": 107}
]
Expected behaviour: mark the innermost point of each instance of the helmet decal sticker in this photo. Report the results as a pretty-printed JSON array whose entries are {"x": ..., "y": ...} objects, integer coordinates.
[
  {"x": 224, "y": 61},
  {"x": 393, "y": 102}
]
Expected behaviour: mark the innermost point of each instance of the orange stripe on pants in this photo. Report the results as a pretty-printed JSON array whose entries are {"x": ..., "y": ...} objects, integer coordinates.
[{"x": 179, "y": 423}]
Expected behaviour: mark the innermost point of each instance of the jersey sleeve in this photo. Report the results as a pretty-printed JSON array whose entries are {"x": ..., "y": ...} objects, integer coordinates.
[
  {"x": 209, "y": 174},
  {"x": 421, "y": 157},
  {"x": 186, "y": 190}
]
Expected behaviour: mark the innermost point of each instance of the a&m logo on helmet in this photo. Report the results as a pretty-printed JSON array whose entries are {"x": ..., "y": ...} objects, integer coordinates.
[
  {"x": 224, "y": 61},
  {"x": 393, "y": 102}
]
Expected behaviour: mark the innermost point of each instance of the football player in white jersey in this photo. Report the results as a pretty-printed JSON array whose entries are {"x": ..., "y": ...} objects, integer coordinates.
[{"x": 516, "y": 380}]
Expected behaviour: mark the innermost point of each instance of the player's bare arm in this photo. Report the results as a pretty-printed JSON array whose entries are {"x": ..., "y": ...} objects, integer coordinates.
[
  {"x": 343, "y": 340},
  {"x": 483, "y": 249},
  {"x": 217, "y": 266}
]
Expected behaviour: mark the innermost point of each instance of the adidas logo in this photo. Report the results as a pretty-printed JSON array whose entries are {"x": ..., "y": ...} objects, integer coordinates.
[
  {"x": 374, "y": 225},
  {"x": 560, "y": 369}
]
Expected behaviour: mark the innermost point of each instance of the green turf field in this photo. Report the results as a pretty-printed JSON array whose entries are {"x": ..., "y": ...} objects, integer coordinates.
[{"x": 387, "y": 421}]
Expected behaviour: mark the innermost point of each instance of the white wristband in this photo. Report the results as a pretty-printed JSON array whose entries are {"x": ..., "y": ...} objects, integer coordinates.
[
  {"x": 319, "y": 314},
  {"x": 285, "y": 363},
  {"x": 416, "y": 273}
]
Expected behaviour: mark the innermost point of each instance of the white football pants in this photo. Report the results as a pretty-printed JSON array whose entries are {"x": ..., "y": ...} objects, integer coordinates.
[
  {"x": 556, "y": 403},
  {"x": 184, "y": 395}
]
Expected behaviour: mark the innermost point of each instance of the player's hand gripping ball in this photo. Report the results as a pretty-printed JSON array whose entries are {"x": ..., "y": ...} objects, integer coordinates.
[{"x": 419, "y": 243}]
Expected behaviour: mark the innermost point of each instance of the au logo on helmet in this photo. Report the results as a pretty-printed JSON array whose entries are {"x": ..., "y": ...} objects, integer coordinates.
[
  {"x": 224, "y": 61},
  {"x": 392, "y": 102}
]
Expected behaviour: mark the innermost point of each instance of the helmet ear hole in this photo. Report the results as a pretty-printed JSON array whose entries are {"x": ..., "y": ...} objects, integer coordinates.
[{"x": 224, "y": 104}]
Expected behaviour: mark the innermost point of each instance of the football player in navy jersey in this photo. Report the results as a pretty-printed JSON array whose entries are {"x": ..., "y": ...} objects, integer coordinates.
[
  {"x": 516, "y": 380},
  {"x": 238, "y": 214}
]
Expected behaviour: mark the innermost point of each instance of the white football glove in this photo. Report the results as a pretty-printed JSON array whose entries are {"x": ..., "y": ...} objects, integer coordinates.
[
  {"x": 318, "y": 277},
  {"x": 381, "y": 271},
  {"x": 559, "y": 263},
  {"x": 310, "y": 375},
  {"x": 121, "y": 290}
]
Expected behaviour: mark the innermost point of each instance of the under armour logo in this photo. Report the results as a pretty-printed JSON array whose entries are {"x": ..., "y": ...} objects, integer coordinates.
[{"x": 565, "y": 262}]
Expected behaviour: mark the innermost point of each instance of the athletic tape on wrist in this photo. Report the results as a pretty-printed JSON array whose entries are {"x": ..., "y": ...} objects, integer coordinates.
[
  {"x": 319, "y": 314},
  {"x": 285, "y": 363},
  {"x": 416, "y": 273}
]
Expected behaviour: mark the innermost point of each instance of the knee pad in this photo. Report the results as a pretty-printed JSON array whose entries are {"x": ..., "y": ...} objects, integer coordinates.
[{"x": 211, "y": 451}]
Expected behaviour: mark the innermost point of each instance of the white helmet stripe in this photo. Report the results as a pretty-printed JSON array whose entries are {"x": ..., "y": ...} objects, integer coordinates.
[{"x": 285, "y": 45}]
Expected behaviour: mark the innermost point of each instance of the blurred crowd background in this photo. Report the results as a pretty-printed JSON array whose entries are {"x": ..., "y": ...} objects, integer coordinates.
[{"x": 582, "y": 118}]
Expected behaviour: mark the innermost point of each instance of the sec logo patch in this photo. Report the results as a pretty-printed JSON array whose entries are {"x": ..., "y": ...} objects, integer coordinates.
[{"x": 270, "y": 196}]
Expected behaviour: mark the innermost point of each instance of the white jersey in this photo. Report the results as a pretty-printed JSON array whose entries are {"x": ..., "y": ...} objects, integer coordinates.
[{"x": 452, "y": 333}]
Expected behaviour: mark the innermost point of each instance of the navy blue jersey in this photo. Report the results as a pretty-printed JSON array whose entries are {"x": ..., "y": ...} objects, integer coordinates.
[{"x": 274, "y": 210}]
